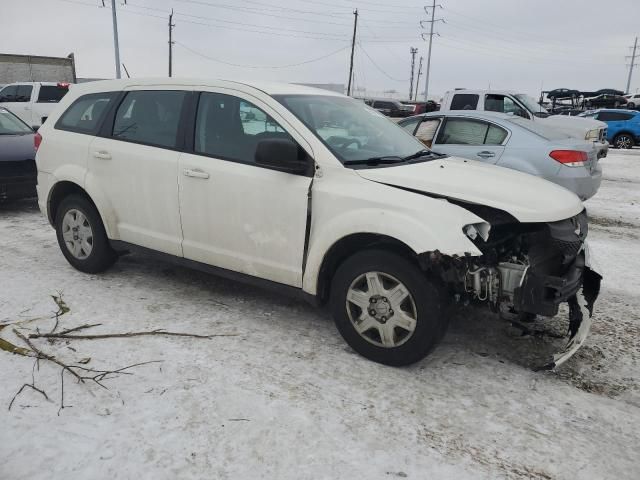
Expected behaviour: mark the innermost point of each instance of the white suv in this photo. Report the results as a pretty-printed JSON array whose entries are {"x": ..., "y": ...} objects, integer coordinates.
[{"x": 313, "y": 193}]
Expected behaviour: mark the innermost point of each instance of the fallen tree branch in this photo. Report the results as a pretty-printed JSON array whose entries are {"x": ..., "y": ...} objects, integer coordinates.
[
  {"x": 31, "y": 386},
  {"x": 63, "y": 335}
]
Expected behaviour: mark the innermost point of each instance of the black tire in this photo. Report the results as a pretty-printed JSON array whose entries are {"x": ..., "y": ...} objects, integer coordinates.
[
  {"x": 428, "y": 297},
  {"x": 623, "y": 140},
  {"x": 102, "y": 255}
]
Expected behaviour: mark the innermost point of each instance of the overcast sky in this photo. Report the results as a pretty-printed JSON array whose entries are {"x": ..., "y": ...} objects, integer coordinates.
[{"x": 511, "y": 44}]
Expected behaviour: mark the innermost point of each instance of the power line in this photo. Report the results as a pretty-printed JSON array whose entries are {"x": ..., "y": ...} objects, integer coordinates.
[
  {"x": 379, "y": 68},
  {"x": 260, "y": 66}
]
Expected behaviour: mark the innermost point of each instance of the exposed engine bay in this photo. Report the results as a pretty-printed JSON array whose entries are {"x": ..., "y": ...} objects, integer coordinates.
[{"x": 527, "y": 269}]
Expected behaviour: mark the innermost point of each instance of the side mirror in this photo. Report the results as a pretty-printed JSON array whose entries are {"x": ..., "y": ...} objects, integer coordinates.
[{"x": 280, "y": 154}]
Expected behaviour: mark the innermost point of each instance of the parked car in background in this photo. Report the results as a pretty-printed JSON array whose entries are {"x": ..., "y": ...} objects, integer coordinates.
[
  {"x": 350, "y": 211},
  {"x": 390, "y": 107},
  {"x": 623, "y": 126},
  {"x": 512, "y": 142},
  {"x": 18, "y": 173},
  {"x": 524, "y": 106},
  {"x": 605, "y": 100},
  {"x": 422, "y": 107},
  {"x": 633, "y": 101},
  {"x": 32, "y": 101}
]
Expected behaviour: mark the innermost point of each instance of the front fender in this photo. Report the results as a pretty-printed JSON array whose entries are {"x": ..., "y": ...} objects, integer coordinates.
[{"x": 418, "y": 235}]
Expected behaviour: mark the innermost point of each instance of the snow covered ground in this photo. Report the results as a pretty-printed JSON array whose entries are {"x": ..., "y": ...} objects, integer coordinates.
[{"x": 287, "y": 399}]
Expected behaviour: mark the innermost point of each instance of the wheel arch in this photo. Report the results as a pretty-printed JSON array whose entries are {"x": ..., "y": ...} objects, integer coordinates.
[
  {"x": 63, "y": 189},
  {"x": 347, "y": 246}
]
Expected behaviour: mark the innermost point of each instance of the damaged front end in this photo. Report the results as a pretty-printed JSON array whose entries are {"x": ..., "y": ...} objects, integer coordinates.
[{"x": 529, "y": 269}]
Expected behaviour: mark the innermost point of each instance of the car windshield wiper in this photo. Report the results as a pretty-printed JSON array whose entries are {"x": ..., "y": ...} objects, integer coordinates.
[
  {"x": 423, "y": 153},
  {"x": 375, "y": 160}
]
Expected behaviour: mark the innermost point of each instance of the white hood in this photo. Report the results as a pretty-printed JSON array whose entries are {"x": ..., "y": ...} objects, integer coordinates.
[
  {"x": 574, "y": 126},
  {"x": 526, "y": 197}
]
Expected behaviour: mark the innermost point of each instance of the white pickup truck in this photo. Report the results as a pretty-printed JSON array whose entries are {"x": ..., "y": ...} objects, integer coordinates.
[
  {"x": 524, "y": 106},
  {"x": 32, "y": 101}
]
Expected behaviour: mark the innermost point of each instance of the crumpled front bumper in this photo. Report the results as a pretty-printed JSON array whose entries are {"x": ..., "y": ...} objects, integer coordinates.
[{"x": 580, "y": 312}]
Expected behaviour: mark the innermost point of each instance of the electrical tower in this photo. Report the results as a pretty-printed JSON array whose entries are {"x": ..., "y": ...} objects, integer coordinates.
[
  {"x": 413, "y": 52},
  {"x": 415, "y": 97},
  {"x": 430, "y": 10},
  {"x": 632, "y": 64}
]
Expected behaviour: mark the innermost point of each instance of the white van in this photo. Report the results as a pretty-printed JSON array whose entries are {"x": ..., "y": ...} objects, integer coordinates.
[
  {"x": 523, "y": 105},
  {"x": 315, "y": 194},
  {"x": 32, "y": 101}
]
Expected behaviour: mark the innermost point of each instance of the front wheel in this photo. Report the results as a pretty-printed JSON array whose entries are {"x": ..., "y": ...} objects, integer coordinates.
[
  {"x": 386, "y": 308},
  {"x": 81, "y": 235},
  {"x": 623, "y": 140}
]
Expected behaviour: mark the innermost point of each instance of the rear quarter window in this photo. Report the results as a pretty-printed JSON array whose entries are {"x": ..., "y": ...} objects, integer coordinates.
[
  {"x": 464, "y": 101},
  {"x": 51, "y": 93},
  {"x": 86, "y": 113}
]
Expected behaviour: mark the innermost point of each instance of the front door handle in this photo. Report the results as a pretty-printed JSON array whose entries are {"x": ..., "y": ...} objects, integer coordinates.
[
  {"x": 102, "y": 154},
  {"x": 195, "y": 173},
  {"x": 486, "y": 154}
]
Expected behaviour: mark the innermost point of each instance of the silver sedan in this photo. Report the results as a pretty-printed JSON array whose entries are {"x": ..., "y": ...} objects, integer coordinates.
[{"x": 512, "y": 142}]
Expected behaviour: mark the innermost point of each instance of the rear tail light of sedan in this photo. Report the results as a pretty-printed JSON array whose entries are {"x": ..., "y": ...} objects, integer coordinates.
[
  {"x": 570, "y": 158},
  {"x": 37, "y": 140}
]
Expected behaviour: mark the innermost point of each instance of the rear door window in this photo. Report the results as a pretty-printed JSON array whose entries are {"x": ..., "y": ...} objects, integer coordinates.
[
  {"x": 85, "y": 114},
  {"x": 51, "y": 93},
  {"x": 23, "y": 94},
  {"x": 464, "y": 101},
  {"x": 463, "y": 131},
  {"x": 149, "y": 117}
]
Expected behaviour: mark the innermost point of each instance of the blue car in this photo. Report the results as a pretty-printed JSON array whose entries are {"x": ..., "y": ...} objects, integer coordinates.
[{"x": 623, "y": 126}]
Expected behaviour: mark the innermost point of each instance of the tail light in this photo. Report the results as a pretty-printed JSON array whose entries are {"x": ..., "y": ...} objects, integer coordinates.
[
  {"x": 570, "y": 158},
  {"x": 37, "y": 140}
]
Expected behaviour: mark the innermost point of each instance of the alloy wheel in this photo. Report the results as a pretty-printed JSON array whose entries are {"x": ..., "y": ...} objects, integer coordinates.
[
  {"x": 381, "y": 309},
  {"x": 77, "y": 234}
]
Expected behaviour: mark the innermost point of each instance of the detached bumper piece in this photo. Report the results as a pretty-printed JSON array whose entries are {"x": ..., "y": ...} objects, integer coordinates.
[{"x": 542, "y": 294}]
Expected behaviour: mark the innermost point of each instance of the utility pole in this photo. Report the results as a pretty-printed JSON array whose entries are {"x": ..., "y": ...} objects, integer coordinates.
[
  {"x": 171, "y": 42},
  {"x": 418, "y": 79},
  {"x": 431, "y": 34},
  {"x": 353, "y": 46},
  {"x": 633, "y": 59},
  {"x": 115, "y": 37},
  {"x": 413, "y": 52}
]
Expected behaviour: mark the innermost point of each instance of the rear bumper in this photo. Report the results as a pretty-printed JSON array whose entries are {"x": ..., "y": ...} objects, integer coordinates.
[
  {"x": 17, "y": 187},
  {"x": 582, "y": 182}
]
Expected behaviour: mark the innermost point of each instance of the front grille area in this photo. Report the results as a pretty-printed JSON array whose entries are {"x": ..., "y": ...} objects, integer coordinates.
[
  {"x": 567, "y": 248},
  {"x": 19, "y": 168}
]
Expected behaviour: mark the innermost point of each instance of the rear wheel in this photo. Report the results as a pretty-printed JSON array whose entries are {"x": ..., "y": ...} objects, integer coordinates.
[
  {"x": 623, "y": 140},
  {"x": 81, "y": 235},
  {"x": 386, "y": 309}
]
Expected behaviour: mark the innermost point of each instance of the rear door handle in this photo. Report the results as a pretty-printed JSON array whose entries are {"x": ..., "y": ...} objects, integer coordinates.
[
  {"x": 195, "y": 173},
  {"x": 486, "y": 154},
  {"x": 103, "y": 155}
]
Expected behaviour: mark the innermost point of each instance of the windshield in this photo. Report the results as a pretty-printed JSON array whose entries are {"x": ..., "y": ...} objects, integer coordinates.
[
  {"x": 531, "y": 104},
  {"x": 12, "y": 125},
  {"x": 354, "y": 132}
]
